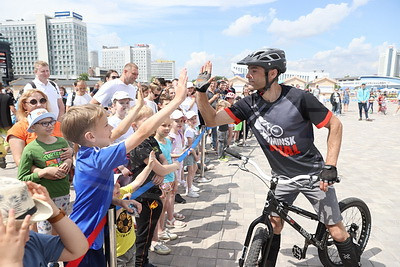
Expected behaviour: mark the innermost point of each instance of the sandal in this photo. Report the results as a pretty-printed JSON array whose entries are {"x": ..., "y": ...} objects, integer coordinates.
[
  {"x": 179, "y": 216},
  {"x": 175, "y": 224}
]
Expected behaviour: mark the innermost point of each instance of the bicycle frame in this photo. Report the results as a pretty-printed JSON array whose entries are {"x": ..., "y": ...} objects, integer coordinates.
[{"x": 282, "y": 209}]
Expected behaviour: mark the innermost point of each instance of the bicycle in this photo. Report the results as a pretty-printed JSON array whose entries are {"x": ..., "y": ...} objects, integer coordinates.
[{"x": 356, "y": 219}]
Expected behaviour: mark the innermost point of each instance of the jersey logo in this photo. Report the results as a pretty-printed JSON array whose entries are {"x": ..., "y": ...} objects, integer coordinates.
[{"x": 272, "y": 134}]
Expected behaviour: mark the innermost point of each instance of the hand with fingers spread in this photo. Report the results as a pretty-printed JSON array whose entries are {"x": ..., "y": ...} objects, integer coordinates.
[
  {"x": 13, "y": 237},
  {"x": 140, "y": 96},
  {"x": 181, "y": 90},
  {"x": 204, "y": 79}
]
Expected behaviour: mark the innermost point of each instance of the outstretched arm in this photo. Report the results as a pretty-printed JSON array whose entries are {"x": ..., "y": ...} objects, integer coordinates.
[
  {"x": 210, "y": 116},
  {"x": 124, "y": 125},
  {"x": 148, "y": 128}
]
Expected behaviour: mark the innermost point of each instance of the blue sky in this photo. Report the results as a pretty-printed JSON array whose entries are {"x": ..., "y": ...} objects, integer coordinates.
[{"x": 342, "y": 37}]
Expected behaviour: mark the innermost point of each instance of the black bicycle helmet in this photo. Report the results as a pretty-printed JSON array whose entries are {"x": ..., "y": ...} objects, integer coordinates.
[{"x": 268, "y": 58}]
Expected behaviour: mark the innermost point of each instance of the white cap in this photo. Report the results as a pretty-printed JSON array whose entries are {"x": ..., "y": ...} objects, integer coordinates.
[
  {"x": 37, "y": 115},
  {"x": 120, "y": 95},
  {"x": 189, "y": 84},
  {"x": 177, "y": 114},
  {"x": 190, "y": 114},
  {"x": 230, "y": 95}
]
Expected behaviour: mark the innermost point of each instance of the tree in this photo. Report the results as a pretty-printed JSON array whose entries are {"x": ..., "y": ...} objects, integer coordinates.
[{"x": 83, "y": 77}]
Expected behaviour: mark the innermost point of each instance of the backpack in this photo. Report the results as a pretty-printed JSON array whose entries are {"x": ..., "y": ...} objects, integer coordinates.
[
  {"x": 51, "y": 82},
  {"x": 73, "y": 98}
]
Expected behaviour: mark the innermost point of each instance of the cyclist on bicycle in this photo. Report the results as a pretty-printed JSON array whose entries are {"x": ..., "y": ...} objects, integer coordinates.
[{"x": 281, "y": 118}]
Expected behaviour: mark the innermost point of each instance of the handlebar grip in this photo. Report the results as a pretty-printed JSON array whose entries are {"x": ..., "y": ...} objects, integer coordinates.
[{"x": 233, "y": 153}]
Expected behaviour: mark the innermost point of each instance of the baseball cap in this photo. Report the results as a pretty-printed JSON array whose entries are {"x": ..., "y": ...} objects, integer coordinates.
[
  {"x": 120, "y": 95},
  {"x": 190, "y": 114},
  {"x": 177, "y": 114},
  {"x": 189, "y": 84},
  {"x": 38, "y": 114},
  {"x": 230, "y": 95},
  {"x": 14, "y": 194}
]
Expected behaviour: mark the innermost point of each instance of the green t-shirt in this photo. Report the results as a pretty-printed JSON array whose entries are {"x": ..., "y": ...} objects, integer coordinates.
[{"x": 44, "y": 155}]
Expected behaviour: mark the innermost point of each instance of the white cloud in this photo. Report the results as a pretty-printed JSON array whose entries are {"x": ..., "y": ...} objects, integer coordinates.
[
  {"x": 358, "y": 58},
  {"x": 242, "y": 25},
  {"x": 318, "y": 21}
]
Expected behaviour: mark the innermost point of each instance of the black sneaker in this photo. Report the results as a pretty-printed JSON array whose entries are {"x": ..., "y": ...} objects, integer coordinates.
[{"x": 179, "y": 199}]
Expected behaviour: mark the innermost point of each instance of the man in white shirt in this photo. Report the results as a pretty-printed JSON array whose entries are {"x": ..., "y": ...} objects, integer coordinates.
[
  {"x": 79, "y": 96},
  {"x": 124, "y": 83},
  {"x": 50, "y": 88}
]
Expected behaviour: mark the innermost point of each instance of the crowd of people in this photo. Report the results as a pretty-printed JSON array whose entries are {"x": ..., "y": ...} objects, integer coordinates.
[{"x": 123, "y": 136}]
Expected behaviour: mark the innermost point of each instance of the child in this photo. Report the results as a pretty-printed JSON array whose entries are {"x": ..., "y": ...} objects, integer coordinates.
[
  {"x": 79, "y": 96},
  {"x": 152, "y": 205},
  {"x": 178, "y": 143},
  {"x": 222, "y": 133},
  {"x": 44, "y": 153},
  {"x": 94, "y": 180},
  {"x": 191, "y": 160},
  {"x": 169, "y": 186},
  {"x": 120, "y": 103},
  {"x": 125, "y": 231}
]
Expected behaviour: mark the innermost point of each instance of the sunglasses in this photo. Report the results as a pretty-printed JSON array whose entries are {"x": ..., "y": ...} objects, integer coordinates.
[
  {"x": 114, "y": 77},
  {"x": 34, "y": 101},
  {"x": 47, "y": 123}
]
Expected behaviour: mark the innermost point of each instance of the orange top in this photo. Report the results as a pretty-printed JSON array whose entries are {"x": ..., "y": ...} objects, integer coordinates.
[{"x": 19, "y": 130}]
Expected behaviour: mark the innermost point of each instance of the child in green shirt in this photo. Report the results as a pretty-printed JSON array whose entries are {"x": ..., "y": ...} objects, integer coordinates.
[{"x": 41, "y": 162}]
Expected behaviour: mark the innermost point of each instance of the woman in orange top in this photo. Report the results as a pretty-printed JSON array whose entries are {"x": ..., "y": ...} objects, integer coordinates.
[{"x": 18, "y": 136}]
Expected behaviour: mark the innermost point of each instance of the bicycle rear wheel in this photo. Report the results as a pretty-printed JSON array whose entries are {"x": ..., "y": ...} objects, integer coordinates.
[
  {"x": 357, "y": 221},
  {"x": 254, "y": 254}
]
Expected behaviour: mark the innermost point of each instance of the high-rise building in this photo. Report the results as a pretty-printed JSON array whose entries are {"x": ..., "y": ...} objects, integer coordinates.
[
  {"x": 93, "y": 59},
  {"x": 60, "y": 40},
  {"x": 116, "y": 57},
  {"x": 163, "y": 69},
  {"x": 389, "y": 62}
]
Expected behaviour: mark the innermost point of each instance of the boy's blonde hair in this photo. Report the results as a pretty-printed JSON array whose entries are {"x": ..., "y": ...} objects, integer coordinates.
[
  {"x": 79, "y": 120},
  {"x": 223, "y": 104},
  {"x": 145, "y": 111}
]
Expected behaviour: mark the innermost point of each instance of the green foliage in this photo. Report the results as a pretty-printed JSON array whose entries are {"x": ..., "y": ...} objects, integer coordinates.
[{"x": 83, "y": 77}]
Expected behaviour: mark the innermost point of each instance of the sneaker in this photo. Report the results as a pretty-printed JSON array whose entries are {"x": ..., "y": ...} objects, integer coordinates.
[
  {"x": 183, "y": 183},
  {"x": 360, "y": 119},
  {"x": 203, "y": 180},
  {"x": 160, "y": 248},
  {"x": 368, "y": 119},
  {"x": 195, "y": 188},
  {"x": 149, "y": 265},
  {"x": 167, "y": 236},
  {"x": 179, "y": 199},
  {"x": 192, "y": 194},
  {"x": 175, "y": 224}
]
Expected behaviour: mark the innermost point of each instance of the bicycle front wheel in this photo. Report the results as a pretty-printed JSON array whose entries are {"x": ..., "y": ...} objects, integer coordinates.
[
  {"x": 254, "y": 255},
  {"x": 357, "y": 221}
]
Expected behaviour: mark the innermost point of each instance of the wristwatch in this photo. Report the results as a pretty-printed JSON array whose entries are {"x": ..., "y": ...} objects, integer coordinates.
[{"x": 58, "y": 217}]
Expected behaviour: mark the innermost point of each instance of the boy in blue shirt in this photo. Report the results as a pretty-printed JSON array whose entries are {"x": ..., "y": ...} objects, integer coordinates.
[{"x": 87, "y": 126}]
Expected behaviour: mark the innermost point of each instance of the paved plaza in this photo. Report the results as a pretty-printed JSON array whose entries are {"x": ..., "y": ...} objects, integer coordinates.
[{"x": 217, "y": 221}]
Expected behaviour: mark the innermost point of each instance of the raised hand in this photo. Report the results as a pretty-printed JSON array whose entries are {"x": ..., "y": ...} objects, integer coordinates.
[
  {"x": 181, "y": 90},
  {"x": 140, "y": 96},
  {"x": 12, "y": 240},
  {"x": 204, "y": 78}
]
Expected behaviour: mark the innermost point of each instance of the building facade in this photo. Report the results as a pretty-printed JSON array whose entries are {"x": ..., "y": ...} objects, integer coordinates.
[
  {"x": 93, "y": 59},
  {"x": 163, "y": 69},
  {"x": 115, "y": 57},
  {"x": 389, "y": 62},
  {"x": 60, "y": 40},
  {"x": 241, "y": 70}
]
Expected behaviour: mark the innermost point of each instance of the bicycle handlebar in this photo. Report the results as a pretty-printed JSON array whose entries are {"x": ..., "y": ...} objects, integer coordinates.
[{"x": 266, "y": 178}]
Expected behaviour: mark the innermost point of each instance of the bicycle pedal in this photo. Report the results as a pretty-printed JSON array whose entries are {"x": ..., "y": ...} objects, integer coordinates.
[{"x": 297, "y": 252}]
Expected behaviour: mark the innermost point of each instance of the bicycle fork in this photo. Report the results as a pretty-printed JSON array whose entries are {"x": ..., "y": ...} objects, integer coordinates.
[{"x": 263, "y": 219}]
